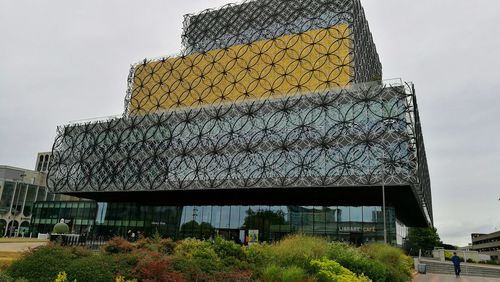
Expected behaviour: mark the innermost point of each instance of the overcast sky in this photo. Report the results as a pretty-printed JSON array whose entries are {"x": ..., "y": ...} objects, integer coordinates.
[{"x": 64, "y": 60}]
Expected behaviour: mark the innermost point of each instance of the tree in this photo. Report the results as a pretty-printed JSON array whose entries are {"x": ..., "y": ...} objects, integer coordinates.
[{"x": 421, "y": 238}]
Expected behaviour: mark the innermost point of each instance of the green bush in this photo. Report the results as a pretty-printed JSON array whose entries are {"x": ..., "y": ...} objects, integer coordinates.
[
  {"x": 284, "y": 274},
  {"x": 398, "y": 265},
  {"x": 233, "y": 276},
  {"x": 224, "y": 248},
  {"x": 97, "y": 268},
  {"x": 5, "y": 278},
  {"x": 271, "y": 273},
  {"x": 357, "y": 261},
  {"x": 293, "y": 274},
  {"x": 41, "y": 264},
  {"x": 298, "y": 250},
  {"x": 195, "y": 255},
  {"x": 156, "y": 244},
  {"x": 60, "y": 228},
  {"x": 328, "y": 270},
  {"x": 167, "y": 246},
  {"x": 259, "y": 255}
]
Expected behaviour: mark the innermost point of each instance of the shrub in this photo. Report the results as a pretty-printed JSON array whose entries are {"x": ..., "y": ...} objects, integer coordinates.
[
  {"x": 284, "y": 274},
  {"x": 167, "y": 246},
  {"x": 259, "y": 255},
  {"x": 156, "y": 267},
  {"x": 298, "y": 250},
  {"x": 356, "y": 261},
  {"x": 329, "y": 270},
  {"x": 398, "y": 265},
  {"x": 5, "y": 278},
  {"x": 41, "y": 264},
  {"x": 62, "y": 277},
  {"x": 293, "y": 274},
  {"x": 271, "y": 273},
  {"x": 195, "y": 256},
  {"x": 224, "y": 248},
  {"x": 95, "y": 268},
  {"x": 60, "y": 228},
  {"x": 233, "y": 276},
  {"x": 117, "y": 245}
]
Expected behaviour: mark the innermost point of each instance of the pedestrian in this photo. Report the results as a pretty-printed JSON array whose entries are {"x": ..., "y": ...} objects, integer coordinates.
[{"x": 456, "y": 263}]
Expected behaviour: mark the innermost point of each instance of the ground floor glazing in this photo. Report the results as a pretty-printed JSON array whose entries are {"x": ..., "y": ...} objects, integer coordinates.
[{"x": 355, "y": 224}]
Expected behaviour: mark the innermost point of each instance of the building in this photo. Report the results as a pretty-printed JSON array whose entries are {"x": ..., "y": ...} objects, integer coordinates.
[
  {"x": 488, "y": 244},
  {"x": 273, "y": 120},
  {"x": 42, "y": 161},
  {"x": 19, "y": 190}
]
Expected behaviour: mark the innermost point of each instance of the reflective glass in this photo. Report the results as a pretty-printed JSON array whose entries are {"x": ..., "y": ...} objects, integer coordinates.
[{"x": 356, "y": 214}]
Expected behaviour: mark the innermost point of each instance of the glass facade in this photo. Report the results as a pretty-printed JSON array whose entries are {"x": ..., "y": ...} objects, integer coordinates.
[{"x": 357, "y": 225}]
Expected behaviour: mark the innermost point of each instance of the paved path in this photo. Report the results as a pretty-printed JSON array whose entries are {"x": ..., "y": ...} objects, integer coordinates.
[
  {"x": 431, "y": 277},
  {"x": 19, "y": 247}
]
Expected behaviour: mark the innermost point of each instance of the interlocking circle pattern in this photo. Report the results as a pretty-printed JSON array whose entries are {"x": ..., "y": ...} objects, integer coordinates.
[
  {"x": 258, "y": 50},
  {"x": 333, "y": 138},
  {"x": 269, "y": 93}
]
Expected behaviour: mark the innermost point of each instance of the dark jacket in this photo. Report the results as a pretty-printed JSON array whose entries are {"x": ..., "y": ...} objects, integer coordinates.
[{"x": 455, "y": 260}]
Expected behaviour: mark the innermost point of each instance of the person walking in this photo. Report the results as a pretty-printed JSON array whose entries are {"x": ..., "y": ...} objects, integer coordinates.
[{"x": 456, "y": 263}]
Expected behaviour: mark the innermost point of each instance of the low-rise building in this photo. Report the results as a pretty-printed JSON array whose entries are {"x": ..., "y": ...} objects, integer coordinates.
[
  {"x": 487, "y": 244},
  {"x": 19, "y": 190}
]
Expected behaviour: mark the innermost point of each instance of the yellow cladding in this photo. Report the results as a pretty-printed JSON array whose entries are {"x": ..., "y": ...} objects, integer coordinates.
[{"x": 312, "y": 61}]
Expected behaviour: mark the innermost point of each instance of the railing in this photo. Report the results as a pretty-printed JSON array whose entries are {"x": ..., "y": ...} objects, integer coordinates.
[{"x": 90, "y": 241}]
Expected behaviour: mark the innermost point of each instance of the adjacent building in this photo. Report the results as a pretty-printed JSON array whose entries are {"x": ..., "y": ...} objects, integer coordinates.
[
  {"x": 272, "y": 120},
  {"x": 488, "y": 244},
  {"x": 20, "y": 189}
]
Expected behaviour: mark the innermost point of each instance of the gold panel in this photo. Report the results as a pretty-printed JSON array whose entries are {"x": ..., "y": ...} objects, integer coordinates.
[{"x": 312, "y": 61}]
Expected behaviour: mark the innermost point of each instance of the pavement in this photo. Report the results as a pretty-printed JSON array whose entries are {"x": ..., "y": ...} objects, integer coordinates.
[
  {"x": 431, "y": 277},
  {"x": 19, "y": 247}
]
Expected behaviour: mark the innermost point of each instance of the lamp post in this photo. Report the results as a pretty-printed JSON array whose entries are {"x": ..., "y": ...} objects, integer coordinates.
[
  {"x": 383, "y": 204},
  {"x": 383, "y": 196}
]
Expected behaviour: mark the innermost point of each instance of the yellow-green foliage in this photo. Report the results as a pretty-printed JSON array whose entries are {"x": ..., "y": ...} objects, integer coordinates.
[
  {"x": 298, "y": 250},
  {"x": 274, "y": 273},
  {"x": 448, "y": 255},
  {"x": 356, "y": 261},
  {"x": 329, "y": 270},
  {"x": 61, "y": 277},
  {"x": 120, "y": 278},
  {"x": 398, "y": 265}
]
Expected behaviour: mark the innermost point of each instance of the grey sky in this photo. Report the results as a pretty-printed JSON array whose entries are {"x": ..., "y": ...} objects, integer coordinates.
[{"x": 65, "y": 60}]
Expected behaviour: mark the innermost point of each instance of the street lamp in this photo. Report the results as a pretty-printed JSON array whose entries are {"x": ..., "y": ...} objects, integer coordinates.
[{"x": 383, "y": 195}]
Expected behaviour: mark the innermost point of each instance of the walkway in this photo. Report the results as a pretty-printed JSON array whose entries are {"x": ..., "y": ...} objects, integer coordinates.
[{"x": 431, "y": 277}]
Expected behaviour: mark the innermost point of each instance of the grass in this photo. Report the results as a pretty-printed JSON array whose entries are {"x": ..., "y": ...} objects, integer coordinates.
[{"x": 6, "y": 258}]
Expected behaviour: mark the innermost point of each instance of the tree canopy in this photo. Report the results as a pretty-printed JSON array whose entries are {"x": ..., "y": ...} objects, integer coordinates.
[{"x": 424, "y": 238}]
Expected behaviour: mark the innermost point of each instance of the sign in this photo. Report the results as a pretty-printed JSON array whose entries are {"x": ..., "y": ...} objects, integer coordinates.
[
  {"x": 253, "y": 236},
  {"x": 365, "y": 229}
]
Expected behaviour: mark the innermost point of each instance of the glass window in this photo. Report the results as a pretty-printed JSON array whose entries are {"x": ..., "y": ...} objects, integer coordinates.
[
  {"x": 343, "y": 214},
  {"x": 234, "y": 218},
  {"x": 319, "y": 220},
  {"x": 356, "y": 214},
  {"x": 7, "y": 195},
  {"x": 216, "y": 213},
  {"x": 369, "y": 214},
  {"x": 41, "y": 194},
  {"x": 224, "y": 220}
]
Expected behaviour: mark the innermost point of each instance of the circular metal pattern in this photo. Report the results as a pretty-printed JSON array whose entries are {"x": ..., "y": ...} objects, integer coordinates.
[
  {"x": 258, "y": 50},
  {"x": 348, "y": 137}
]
